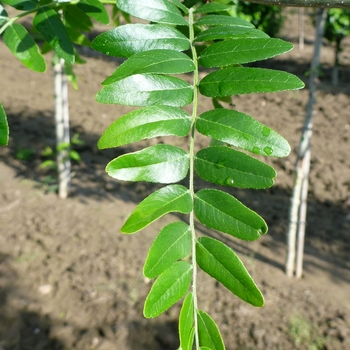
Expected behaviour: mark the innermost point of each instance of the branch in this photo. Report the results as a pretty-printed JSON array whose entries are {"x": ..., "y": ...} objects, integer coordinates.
[{"x": 306, "y": 3}]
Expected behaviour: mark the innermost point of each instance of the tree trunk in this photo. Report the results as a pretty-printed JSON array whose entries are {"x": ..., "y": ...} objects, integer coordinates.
[
  {"x": 62, "y": 129},
  {"x": 301, "y": 29},
  {"x": 297, "y": 211}
]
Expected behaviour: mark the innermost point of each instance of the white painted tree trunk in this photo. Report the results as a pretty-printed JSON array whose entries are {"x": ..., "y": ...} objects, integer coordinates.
[
  {"x": 298, "y": 206},
  {"x": 301, "y": 28},
  {"x": 62, "y": 129}
]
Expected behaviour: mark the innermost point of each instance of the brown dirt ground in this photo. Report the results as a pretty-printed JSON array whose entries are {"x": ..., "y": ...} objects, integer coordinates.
[{"x": 70, "y": 280}]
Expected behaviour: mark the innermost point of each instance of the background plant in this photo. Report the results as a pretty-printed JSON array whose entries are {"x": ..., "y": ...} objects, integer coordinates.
[
  {"x": 336, "y": 29},
  {"x": 155, "y": 53},
  {"x": 59, "y": 26}
]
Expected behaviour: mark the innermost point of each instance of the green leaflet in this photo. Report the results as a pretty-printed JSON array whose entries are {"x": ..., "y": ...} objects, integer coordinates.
[
  {"x": 22, "y": 5},
  {"x": 241, "y": 130},
  {"x": 124, "y": 41},
  {"x": 169, "y": 288},
  {"x": 160, "y": 11},
  {"x": 212, "y": 7},
  {"x": 229, "y": 32},
  {"x": 153, "y": 61},
  {"x": 239, "y": 51},
  {"x": 22, "y": 45},
  {"x": 3, "y": 15},
  {"x": 94, "y": 9},
  {"x": 49, "y": 24},
  {"x": 172, "y": 198},
  {"x": 221, "y": 20},
  {"x": 226, "y": 166},
  {"x": 180, "y": 6},
  {"x": 223, "y": 212},
  {"x": 4, "y": 128},
  {"x": 77, "y": 37},
  {"x": 209, "y": 334},
  {"x": 147, "y": 90},
  {"x": 159, "y": 163},
  {"x": 235, "y": 81},
  {"x": 76, "y": 18},
  {"x": 220, "y": 262},
  {"x": 146, "y": 123},
  {"x": 172, "y": 243},
  {"x": 186, "y": 327}
]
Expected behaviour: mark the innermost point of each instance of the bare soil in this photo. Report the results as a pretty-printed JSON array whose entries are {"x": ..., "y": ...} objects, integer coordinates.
[{"x": 70, "y": 280}]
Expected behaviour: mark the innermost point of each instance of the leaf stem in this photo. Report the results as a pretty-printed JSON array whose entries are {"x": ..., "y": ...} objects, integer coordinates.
[{"x": 191, "y": 180}]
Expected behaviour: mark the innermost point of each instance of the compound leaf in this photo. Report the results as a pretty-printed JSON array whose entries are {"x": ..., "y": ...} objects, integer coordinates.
[
  {"x": 159, "y": 163},
  {"x": 94, "y": 9},
  {"x": 220, "y": 262},
  {"x": 234, "y": 81},
  {"x": 146, "y": 123},
  {"x": 49, "y": 24},
  {"x": 172, "y": 243},
  {"x": 223, "y": 212},
  {"x": 229, "y": 32},
  {"x": 4, "y": 127},
  {"x": 172, "y": 198},
  {"x": 242, "y": 50},
  {"x": 153, "y": 61},
  {"x": 126, "y": 40},
  {"x": 225, "y": 166},
  {"x": 159, "y": 11},
  {"x": 241, "y": 130},
  {"x": 23, "y": 46},
  {"x": 208, "y": 331},
  {"x": 186, "y": 319},
  {"x": 222, "y": 20},
  {"x": 147, "y": 90},
  {"x": 169, "y": 288}
]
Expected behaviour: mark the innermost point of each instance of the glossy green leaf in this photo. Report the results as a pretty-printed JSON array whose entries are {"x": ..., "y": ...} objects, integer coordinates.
[
  {"x": 172, "y": 198},
  {"x": 241, "y": 130},
  {"x": 225, "y": 166},
  {"x": 23, "y": 46},
  {"x": 223, "y": 212},
  {"x": 160, "y": 11},
  {"x": 3, "y": 15},
  {"x": 204, "y": 348},
  {"x": 153, "y": 61},
  {"x": 186, "y": 320},
  {"x": 229, "y": 32},
  {"x": 49, "y": 24},
  {"x": 94, "y": 9},
  {"x": 212, "y": 7},
  {"x": 208, "y": 331},
  {"x": 220, "y": 262},
  {"x": 234, "y": 81},
  {"x": 222, "y": 20},
  {"x": 22, "y": 5},
  {"x": 169, "y": 288},
  {"x": 4, "y": 127},
  {"x": 144, "y": 123},
  {"x": 76, "y": 18},
  {"x": 172, "y": 243},
  {"x": 239, "y": 51},
  {"x": 159, "y": 163},
  {"x": 147, "y": 90},
  {"x": 126, "y": 40}
]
